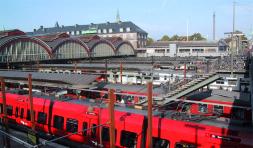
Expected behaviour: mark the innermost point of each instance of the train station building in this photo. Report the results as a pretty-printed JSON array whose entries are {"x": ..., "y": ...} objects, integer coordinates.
[{"x": 17, "y": 46}]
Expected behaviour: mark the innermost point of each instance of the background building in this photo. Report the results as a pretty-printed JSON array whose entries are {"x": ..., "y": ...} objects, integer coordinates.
[
  {"x": 126, "y": 30},
  {"x": 185, "y": 48}
]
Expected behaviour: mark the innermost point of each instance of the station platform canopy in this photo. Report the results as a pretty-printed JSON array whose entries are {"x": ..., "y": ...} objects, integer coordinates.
[{"x": 51, "y": 79}]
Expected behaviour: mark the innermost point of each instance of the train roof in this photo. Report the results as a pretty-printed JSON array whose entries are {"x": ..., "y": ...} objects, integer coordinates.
[{"x": 223, "y": 97}]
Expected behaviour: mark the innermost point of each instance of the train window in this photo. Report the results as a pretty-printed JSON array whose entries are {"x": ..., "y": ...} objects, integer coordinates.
[
  {"x": 218, "y": 109},
  {"x": 1, "y": 108},
  {"x": 93, "y": 131},
  {"x": 72, "y": 125},
  {"x": 58, "y": 122},
  {"x": 9, "y": 110},
  {"x": 156, "y": 78},
  {"x": 238, "y": 113},
  {"x": 28, "y": 117},
  {"x": 85, "y": 126},
  {"x": 128, "y": 139},
  {"x": 203, "y": 108},
  {"x": 16, "y": 112},
  {"x": 160, "y": 143},
  {"x": 42, "y": 118},
  {"x": 106, "y": 134},
  {"x": 185, "y": 145},
  {"x": 22, "y": 113}
]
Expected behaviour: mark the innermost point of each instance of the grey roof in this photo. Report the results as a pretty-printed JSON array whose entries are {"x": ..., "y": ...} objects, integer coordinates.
[
  {"x": 76, "y": 79},
  {"x": 187, "y": 44},
  {"x": 157, "y": 90},
  {"x": 101, "y": 66},
  {"x": 115, "y": 26}
]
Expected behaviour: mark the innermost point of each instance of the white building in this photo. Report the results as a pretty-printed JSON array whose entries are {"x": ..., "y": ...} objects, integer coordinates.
[{"x": 185, "y": 48}]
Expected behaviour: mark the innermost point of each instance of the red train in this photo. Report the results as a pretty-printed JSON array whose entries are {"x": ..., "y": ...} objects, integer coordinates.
[{"x": 170, "y": 129}]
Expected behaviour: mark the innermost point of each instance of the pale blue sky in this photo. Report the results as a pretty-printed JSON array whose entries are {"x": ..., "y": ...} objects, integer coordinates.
[{"x": 157, "y": 17}]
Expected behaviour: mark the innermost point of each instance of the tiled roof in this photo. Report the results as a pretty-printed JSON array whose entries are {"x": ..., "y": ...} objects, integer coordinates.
[{"x": 114, "y": 26}]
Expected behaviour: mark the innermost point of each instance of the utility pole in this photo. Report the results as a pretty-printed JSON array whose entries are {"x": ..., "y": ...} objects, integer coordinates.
[
  {"x": 31, "y": 101},
  {"x": 106, "y": 69},
  {"x": 214, "y": 26},
  {"x": 112, "y": 119},
  {"x": 150, "y": 100},
  {"x": 187, "y": 30},
  {"x": 232, "y": 42},
  {"x": 32, "y": 135},
  {"x": 121, "y": 69},
  {"x": 5, "y": 119}
]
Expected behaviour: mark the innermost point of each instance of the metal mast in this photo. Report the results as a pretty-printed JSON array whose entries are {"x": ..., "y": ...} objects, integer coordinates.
[
  {"x": 214, "y": 26},
  {"x": 232, "y": 41}
]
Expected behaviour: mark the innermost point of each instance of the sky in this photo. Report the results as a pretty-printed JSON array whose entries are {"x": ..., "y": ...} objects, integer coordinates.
[{"x": 157, "y": 17}]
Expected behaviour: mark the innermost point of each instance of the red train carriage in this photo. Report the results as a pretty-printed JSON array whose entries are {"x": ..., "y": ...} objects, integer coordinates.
[
  {"x": 223, "y": 106},
  {"x": 60, "y": 118}
]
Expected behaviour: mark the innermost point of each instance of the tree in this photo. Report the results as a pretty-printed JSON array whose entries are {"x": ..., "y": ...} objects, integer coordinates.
[
  {"x": 196, "y": 37},
  {"x": 174, "y": 38},
  {"x": 165, "y": 38},
  {"x": 244, "y": 38},
  {"x": 149, "y": 41}
]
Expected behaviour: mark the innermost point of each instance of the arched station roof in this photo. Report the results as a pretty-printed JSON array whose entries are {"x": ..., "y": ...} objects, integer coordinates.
[
  {"x": 12, "y": 39},
  {"x": 97, "y": 44},
  {"x": 122, "y": 47}
]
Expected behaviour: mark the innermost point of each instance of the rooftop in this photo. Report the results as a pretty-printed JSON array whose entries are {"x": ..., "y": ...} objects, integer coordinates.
[{"x": 115, "y": 26}]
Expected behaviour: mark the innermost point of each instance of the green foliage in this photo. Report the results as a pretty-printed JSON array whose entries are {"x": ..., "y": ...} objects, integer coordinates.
[
  {"x": 149, "y": 41},
  {"x": 196, "y": 37},
  {"x": 174, "y": 38},
  {"x": 165, "y": 38}
]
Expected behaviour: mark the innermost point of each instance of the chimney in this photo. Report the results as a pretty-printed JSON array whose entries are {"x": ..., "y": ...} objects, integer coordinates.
[
  {"x": 76, "y": 25},
  {"x": 108, "y": 22},
  {"x": 41, "y": 27},
  {"x": 34, "y": 30},
  {"x": 62, "y": 26}
]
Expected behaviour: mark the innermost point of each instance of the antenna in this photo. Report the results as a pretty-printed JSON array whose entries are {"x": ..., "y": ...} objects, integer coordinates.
[
  {"x": 187, "y": 30},
  {"x": 214, "y": 26}
]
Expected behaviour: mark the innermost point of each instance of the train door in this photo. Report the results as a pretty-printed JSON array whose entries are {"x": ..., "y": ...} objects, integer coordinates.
[
  {"x": 21, "y": 110},
  {"x": 91, "y": 124}
]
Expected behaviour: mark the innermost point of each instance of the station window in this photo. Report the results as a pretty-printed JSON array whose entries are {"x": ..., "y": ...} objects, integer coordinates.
[
  {"x": 160, "y": 143},
  {"x": 22, "y": 113},
  {"x": 72, "y": 125},
  {"x": 106, "y": 134},
  {"x": 58, "y": 122},
  {"x": 128, "y": 139},
  {"x": 203, "y": 108},
  {"x": 16, "y": 112},
  {"x": 28, "y": 117},
  {"x": 93, "y": 131},
  {"x": 218, "y": 109},
  {"x": 185, "y": 145},
  {"x": 85, "y": 126},
  {"x": 42, "y": 118},
  {"x": 9, "y": 110}
]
